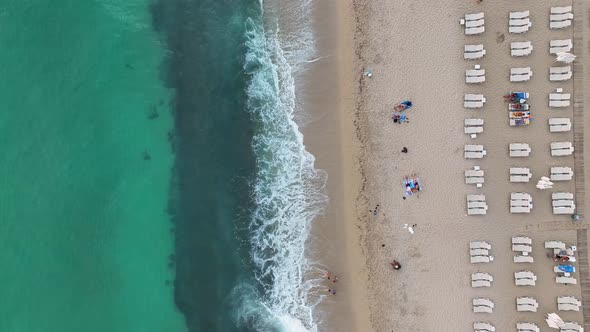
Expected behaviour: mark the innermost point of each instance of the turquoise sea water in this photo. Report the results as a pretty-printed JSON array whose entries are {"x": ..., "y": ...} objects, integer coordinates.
[{"x": 84, "y": 232}]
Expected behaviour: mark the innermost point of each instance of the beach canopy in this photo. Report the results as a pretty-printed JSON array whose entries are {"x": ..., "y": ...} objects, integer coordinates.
[
  {"x": 554, "y": 321},
  {"x": 565, "y": 57}
]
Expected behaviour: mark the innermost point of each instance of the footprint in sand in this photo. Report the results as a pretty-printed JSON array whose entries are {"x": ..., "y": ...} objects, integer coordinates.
[{"x": 500, "y": 37}]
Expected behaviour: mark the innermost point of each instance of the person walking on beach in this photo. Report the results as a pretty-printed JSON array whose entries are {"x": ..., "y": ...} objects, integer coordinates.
[
  {"x": 327, "y": 275},
  {"x": 404, "y": 150}
]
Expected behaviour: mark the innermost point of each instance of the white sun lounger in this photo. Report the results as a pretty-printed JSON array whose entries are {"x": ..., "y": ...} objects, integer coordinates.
[
  {"x": 522, "y": 248},
  {"x": 523, "y": 259},
  {"x": 559, "y": 125},
  {"x": 480, "y": 283},
  {"x": 520, "y": 174},
  {"x": 474, "y": 147},
  {"x": 520, "y": 71},
  {"x": 569, "y": 300},
  {"x": 522, "y": 240},
  {"x": 520, "y": 74},
  {"x": 475, "y": 79},
  {"x": 554, "y": 245},
  {"x": 526, "y": 308},
  {"x": 524, "y": 282},
  {"x": 480, "y": 301},
  {"x": 518, "y": 28},
  {"x": 479, "y": 244},
  {"x": 560, "y": 24},
  {"x": 476, "y": 198},
  {"x": 474, "y": 100},
  {"x": 561, "y": 173},
  {"x": 476, "y": 75},
  {"x": 527, "y": 327},
  {"x": 562, "y": 73},
  {"x": 480, "y": 309},
  {"x": 480, "y": 259},
  {"x": 518, "y": 22},
  {"x": 475, "y": 31},
  {"x": 474, "y": 173},
  {"x": 524, "y": 274},
  {"x": 481, "y": 326},
  {"x": 474, "y": 180},
  {"x": 560, "y": 45},
  {"x": 519, "y": 150},
  {"x": 527, "y": 300},
  {"x": 521, "y": 48},
  {"x": 564, "y": 210},
  {"x": 477, "y": 205},
  {"x": 561, "y": 10},
  {"x": 520, "y": 209},
  {"x": 561, "y": 149},
  {"x": 474, "y": 24},
  {"x": 519, "y": 15},
  {"x": 567, "y": 307},
  {"x": 561, "y": 17},
  {"x": 474, "y": 16},
  {"x": 559, "y": 103},
  {"x": 563, "y": 203},
  {"x": 559, "y": 99},
  {"x": 482, "y": 276},
  {"x": 562, "y": 195},
  {"x": 479, "y": 252},
  {"x": 475, "y": 155},
  {"x": 473, "y": 52},
  {"x": 520, "y": 178},
  {"x": 474, "y": 122},
  {"x": 521, "y": 196},
  {"x": 473, "y": 131},
  {"x": 566, "y": 280},
  {"x": 571, "y": 327}
]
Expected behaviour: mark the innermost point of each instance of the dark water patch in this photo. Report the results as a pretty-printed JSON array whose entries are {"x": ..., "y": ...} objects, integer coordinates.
[{"x": 210, "y": 198}]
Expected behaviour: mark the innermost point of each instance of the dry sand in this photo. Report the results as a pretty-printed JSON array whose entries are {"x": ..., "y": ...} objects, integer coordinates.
[{"x": 415, "y": 51}]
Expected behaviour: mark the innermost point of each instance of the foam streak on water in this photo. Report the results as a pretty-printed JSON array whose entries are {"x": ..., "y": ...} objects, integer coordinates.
[{"x": 288, "y": 191}]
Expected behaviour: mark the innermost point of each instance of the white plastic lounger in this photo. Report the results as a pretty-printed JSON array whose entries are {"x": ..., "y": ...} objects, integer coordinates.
[
  {"x": 474, "y": 16},
  {"x": 520, "y": 74},
  {"x": 477, "y": 211},
  {"x": 554, "y": 245},
  {"x": 473, "y": 52},
  {"x": 479, "y": 244},
  {"x": 474, "y": 100},
  {"x": 524, "y": 274},
  {"x": 474, "y": 122},
  {"x": 560, "y": 46},
  {"x": 522, "y": 248},
  {"x": 566, "y": 280},
  {"x": 474, "y": 155},
  {"x": 480, "y": 259},
  {"x": 564, "y": 210},
  {"x": 480, "y": 283},
  {"x": 559, "y": 125},
  {"x": 518, "y": 22},
  {"x": 561, "y": 149},
  {"x": 520, "y": 174},
  {"x": 476, "y": 198},
  {"x": 563, "y": 203},
  {"x": 524, "y": 52},
  {"x": 558, "y": 24},
  {"x": 561, "y": 173},
  {"x": 520, "y": 71},
  {"x": 562, "y": 195},
  {"x": 526, "y": 308},
  {"x": 519, "y": 150},
  {"x": 519, "y": 15},
  {"x": 481, "y": 326},
  {"x": 524, "y": 282},
  {"x": 572, "y": 326},
  {"x": 482, "y": 309},
  {"x": 567, "y": 307},
  {"x": 520, "y": 28},
  {"x": 527, "y": 327},
  {"x": 521, "y": 48},
  {"x": 521, "y": 196},
  {"x": 558, "y": 103},
  {"x": 523, "y": 259},
  {"x": 477, "y": 205},
  {"x": 520, "y": 178},
  {"x": 473, "y": 173},
  {"x": 482, "y": 276},
  {"x": 569, "y": 300},
  {"x": 561, "y": 17},
  {"x": 475, "y": 79},
  {"x": 479, "y": 252},
  {"x": 480, "y": 301},
  {"x": 562, "y": 73},
  {"x": 520, "y": 209},
  {"x": 475, "y": 180},
  {"x": 522, "y": 240},
  {"x": 561, "y": 10},
  {"x": 473, "y": 131},
  {"x": 527, "y": 300},
  {"x": 475, "y": 31}
]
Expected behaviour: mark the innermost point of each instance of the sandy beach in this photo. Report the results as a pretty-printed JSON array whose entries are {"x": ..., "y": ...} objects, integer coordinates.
[{"x": 421, "y": 59}]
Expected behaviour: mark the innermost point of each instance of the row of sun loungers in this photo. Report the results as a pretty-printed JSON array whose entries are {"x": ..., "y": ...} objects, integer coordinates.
[
  {"x": 520, "y": 74},
  {"x": 481, "y": 279},
  {"x": 522, "y": 244},
  {"x": 560, "y": 17},
  {"x": 519, "y": 22},
  {"x": 479, "y": 251},
  {"x": 474, "y": 151},
  {"x": 520, "y": 203},
  {"x": 473, "y": 127},
  {"x": 559, "y": 99},
  {"x": 562, "y": 73},
  {"x": 560, "y": 46},
  {"x": 473, "y": 52},
  {"x": 525, "y": 278},
  {"x": 519, "y": 150},
  {"x": 526, "y": 304},
  {"x": 474, "y": 23},
  {"x": 483, "y": 327},
  {"x": 475, "y": 75},
  {"x": 520, "y": 174},
  {"x": 561, "y": 173},
  {"x": 561, "y": 149},
  {"x": 474, "y": 176},
  {"x": 527, "y": 327},
  {"x": 563, "y": 203},
  {"x": 568, "y": 303},
  {"x": 476, "y": 204},
  {"x": 559, "y": 125},
  {"x": 521, "y": 48},
  {"x": 483, "y": 305}
]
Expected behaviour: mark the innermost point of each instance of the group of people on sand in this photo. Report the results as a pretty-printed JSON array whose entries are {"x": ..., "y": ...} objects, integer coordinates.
[{"x": 331, "y": 289}]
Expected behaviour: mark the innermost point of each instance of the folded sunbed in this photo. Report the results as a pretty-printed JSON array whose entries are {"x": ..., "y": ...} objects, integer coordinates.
[
  {"x": 479, "y": 252},
  {"x": 554, "y": 245},
  {"x": 561, "y": 10},
  {"x": 559, "y": 103},
  {"x": 521, "y": 240},
  {"x": 566, "y": 280},
  {"x": 520, "y": 28},
  {"x": 475, "y": 79},
  {"x": 521, "y": 196},
  {"x": 561, "y": 17},
  {"x": 562, "y": 195},
  {"x": 569, "y": 300},
  {"x": 526, "y": 308},
  {"x": 480, "y": 283},
  {"x": 474, "y": 173},
  {"x": 522, "y": 248},
  {"x": 473, "y": 130},
  {"x": 480, "y": 259},
  {"x": 482, "y": 276},
  {"x": 521, "y": 48},
  {"x": 560, "y": 75},
  {"x": 567, "y": 307},
  {"x": 519, "y": 150},
  {"x": 523, "y": 259},
  {"x": 524, "y": 282},
  {"x": 571, "y": 327},
  {"x": 477, "y": 205},
  {"x": 527, "y": 327},
  {"x": 480, "y": 301},
  {"x": 564, "y": 210},
  {"x": 475, "y": 31},
  {"x": 561, "y": 173},
  {"x": 518, "y": 15},
  {"x": 517, "y": 22},
  {"x": 474, "y": 17},
  {"x": 475, "y": 155},
  {"x": 474, "y": 180},
  {"x": 527, "y": 300},
  {"x": 520, "y": 178},
  {"x": 560, "y": 46},
  {"x": 520, "y": 209},
  {"x": 563, "y": 203},
  {"x": 476, "y": 198},
  {"x": 559, "y": 24},
  {"x": 525, "y": 275},
  {"x": 479, "y": 244},
  {"x": 484, "y": 326}
]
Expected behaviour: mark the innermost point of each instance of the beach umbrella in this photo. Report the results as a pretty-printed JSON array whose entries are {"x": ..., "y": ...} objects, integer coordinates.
[
  {"x": 554, "y": 321},
  {"x": 565, "y": 57}
]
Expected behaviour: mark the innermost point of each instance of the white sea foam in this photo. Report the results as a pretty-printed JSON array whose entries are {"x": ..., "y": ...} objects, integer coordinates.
[{"x": 289, "y": 191}]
